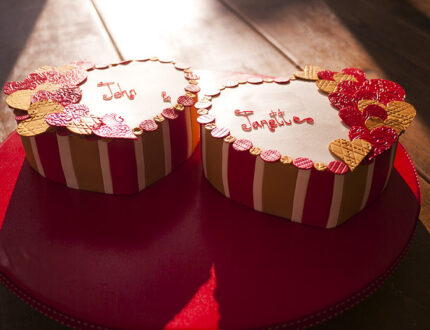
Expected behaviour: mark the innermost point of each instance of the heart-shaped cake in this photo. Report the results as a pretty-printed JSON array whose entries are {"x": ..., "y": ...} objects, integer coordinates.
[
  {"x": 112, "y": 128},
  {"x": 282, "y": 147}
]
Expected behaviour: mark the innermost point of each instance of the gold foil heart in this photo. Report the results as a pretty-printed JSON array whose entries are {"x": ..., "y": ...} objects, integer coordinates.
[
  {"x": 350, "y": 152},
  {"x": 83, "y": 125},
  {"x": 342, "y": 77},
  {"x": 394, "y": 124},
  {"x": 327, "y": 86},
  {"x": 32, "y": 126},
  {"x": 401, "y": 112},
  {"x": 20, "y": 99},
  {"x": 373, "y": 122},
  {"x": 44, "y": 107},
  {"x": 310, "y": 72},
  {"x": 362, "y": 104}
]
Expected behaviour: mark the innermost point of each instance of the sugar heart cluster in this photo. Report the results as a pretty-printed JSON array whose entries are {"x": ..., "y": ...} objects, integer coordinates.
[
  {"x": 59, "y": 85},
  {"x": 374, "y": 109},
  {"x": 113, "y": 128}
]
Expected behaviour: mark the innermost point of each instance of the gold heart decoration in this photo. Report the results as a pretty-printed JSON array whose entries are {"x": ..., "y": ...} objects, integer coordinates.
[
  {"x": 401, "y": 112},
  {"x": 83, "y": 125},
  {"x": 362, "y": 104},
  {"x": 350, "y": 152},
  {"x": 44, "y": 107},
  {"x": 310, "y": 72},
  {"x": 373, "y": 122},
  {"x": 32, "y": 126},
  {"x": 327, "y": 86},
  {"x": 342, "y": 77},
  {"x": 20, "y": 100}
]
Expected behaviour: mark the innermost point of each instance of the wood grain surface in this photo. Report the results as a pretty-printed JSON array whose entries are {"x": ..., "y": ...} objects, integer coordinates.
[{"x": 386, "y": 38}]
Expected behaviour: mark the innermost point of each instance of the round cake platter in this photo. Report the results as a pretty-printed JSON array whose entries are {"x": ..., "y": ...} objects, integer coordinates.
[{"x": 179, "y": 254}]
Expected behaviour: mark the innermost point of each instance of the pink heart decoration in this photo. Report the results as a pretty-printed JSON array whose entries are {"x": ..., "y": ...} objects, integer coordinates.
[
  {"x": 112, "y": 126},
  {"x": 78, "y": 110},
  {"x": 73, "y": 78},
  {"x": 37, "y": 78},
  {"x": 13, "y": 86},
  {"x": 112, "y": 119},
  {"x": 85, "y": 65},
  {"x": 68, "y": 80},
  {"x": 72, "y": 112},
  {"x": 52, "y": 76},
  {"x": 65, "y": 96},
  {"x": 42, "y": 95},
  {"x": 59, "y": 119}
]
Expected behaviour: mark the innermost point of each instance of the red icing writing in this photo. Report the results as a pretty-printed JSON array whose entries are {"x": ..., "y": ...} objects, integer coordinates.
[
  {"x": 297, "y": 120},
  {"x": 246, "y": 114},
  {"x": 116, "y": 94},
  {"x": 277, "y": 119}
]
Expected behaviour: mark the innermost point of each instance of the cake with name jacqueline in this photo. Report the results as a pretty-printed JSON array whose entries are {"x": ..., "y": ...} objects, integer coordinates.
[
  {"x": 113, "y": 129},
  {"x": 315, "y": 149}
]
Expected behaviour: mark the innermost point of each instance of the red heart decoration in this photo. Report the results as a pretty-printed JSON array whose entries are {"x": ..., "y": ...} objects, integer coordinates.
[
  {"x": 42, "y": 95},
  {"x": 374, "y": 110},
  {"x": 363, "y": 94},
  {"x": 36, "y": 78},
  {"x": 348, "y": 87},
  {"x": 381, "y": 138},
  {"x": 326, "y": 75},
  {"x": 67, "y": 95},
  {"x": 359, "y": 132},
  {"x": 381, "y": 90},
  {"x": 351, "y": 116},
  {"x": 60, "y": 119},
  {"x": 340, "y": 100},
  {"x": 357, "y": 73},
  {"x": 13, "y": 86}
]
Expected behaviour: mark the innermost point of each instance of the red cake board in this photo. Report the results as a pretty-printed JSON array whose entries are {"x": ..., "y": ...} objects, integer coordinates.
[{"x": 179, "y": 254}]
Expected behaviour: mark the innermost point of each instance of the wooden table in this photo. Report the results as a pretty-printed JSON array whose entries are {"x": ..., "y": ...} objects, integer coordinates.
[{"x": 386, "y": 38}]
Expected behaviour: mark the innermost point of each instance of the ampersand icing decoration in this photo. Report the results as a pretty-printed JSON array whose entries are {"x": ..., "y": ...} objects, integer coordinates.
[{"x": 51, "y": 96}]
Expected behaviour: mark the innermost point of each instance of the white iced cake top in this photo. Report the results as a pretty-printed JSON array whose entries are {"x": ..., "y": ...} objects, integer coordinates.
[
  {"x": 295, "y": 119},
  {"x": 135, "y": 91}
]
